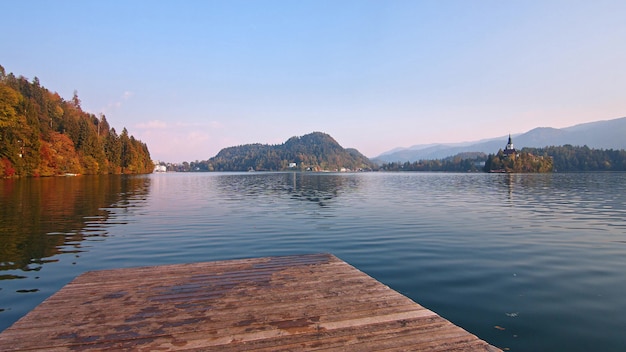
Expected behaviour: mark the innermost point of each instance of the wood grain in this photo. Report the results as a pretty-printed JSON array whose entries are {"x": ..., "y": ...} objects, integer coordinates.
[{"x": 290, "y": 303}]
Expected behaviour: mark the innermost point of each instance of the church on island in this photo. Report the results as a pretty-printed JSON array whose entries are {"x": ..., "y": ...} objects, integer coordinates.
[
  {"x": 511, "y": 160},
  {"x": 509, "y": 151}
]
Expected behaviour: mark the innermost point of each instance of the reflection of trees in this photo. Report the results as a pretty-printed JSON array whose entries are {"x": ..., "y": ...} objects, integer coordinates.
[
  {"x": 319, "y": 188},
  {"x": 526, "y": 186},
  {"x": 509, "y": 182},
  {"x": 43, "y": 217}
]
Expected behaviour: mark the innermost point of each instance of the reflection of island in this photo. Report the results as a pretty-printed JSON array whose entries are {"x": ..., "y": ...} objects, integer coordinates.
[
  {"x": 43, "y": 217},
  {"x": 524, "y": 186},
  {"x": 509, "y": 182}
]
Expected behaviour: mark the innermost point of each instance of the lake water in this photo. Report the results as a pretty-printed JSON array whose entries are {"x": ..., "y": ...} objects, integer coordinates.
[{"x": 531, "y": 262}]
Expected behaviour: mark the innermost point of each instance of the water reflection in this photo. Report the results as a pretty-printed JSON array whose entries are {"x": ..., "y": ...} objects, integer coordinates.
[
  {"x": 539, "y": 255},
  {"x": 584, "y": 198},
  {"x": 308, "y": 187},
  {"x": 44, "y": 217},
  {"x": 321, "y": 189}
]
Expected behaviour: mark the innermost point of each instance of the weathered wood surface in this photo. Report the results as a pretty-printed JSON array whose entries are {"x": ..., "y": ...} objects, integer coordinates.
[{"x": 305, "y": 302}]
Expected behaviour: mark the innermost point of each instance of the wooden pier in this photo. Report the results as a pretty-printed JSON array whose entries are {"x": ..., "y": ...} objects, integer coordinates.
[{"x": 291, "y": 303}]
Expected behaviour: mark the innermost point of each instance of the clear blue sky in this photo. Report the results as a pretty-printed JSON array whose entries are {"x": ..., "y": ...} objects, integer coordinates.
[{"x": 192, "y": 77}]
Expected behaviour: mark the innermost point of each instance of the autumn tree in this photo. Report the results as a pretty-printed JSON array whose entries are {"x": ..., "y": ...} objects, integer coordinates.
[{"x": 41, "y": 134}]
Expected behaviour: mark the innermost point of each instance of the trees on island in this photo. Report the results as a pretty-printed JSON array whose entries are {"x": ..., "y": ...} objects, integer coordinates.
[
  {"x": 566, "y": 158},
  {"x": 41, "y": 134},
  {"x": 518, "y": 162}
]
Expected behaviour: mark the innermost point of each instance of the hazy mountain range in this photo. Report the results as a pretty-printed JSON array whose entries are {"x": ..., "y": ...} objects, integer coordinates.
[{"x": 610, "y": 134}]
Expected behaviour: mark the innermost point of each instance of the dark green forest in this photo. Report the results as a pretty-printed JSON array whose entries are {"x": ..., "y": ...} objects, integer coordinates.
[
  {"x": 312, "y": 152},
  {"x": 570, "y": 158},
  {"x": 565, "y": 158},
  {"x": 464, "y": 162},
  {"x": 259, "y": 157},
  {"x": 42, "y": 134}
]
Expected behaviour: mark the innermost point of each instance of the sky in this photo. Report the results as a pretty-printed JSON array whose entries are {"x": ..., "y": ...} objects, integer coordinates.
[{"x": 189, "y": 78}]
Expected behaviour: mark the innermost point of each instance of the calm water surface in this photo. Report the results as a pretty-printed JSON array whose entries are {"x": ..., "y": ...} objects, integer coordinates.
[{"x": 526, "y": 262}]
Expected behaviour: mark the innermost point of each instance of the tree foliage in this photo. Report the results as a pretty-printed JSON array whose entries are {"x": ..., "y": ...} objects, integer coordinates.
[
  {"x": 570, "y": 158},
  {"x": 565, "y": 158},
  {"x": 314, "y": 152},
  {"x": 522, "y": 162},
  {"x": 464, "y": 162},
  {"x": 41, "y": 134}
]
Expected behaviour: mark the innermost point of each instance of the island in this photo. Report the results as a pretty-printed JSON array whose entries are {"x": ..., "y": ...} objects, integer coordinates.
[{"x": 510, "y": 160}]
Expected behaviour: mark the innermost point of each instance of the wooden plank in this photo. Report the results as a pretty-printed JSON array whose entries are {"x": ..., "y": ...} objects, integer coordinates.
[{"x": 290, "y": 303}]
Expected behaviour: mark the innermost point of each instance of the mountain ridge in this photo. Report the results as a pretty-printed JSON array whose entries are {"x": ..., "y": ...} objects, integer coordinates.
[{"x": 604, "y": 134}]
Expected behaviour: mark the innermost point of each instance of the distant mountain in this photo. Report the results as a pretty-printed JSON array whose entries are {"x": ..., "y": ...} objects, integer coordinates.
[
  {"x": 600, "y": 135},
  {"x": 316, "y": 151}
]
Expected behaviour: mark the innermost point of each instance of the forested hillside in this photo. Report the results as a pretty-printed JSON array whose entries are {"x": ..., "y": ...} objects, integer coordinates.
[
  {"x": 463, "y": 162},
  {"x": 41, "y": 134},
  {"x": 570, "y": 158},
  {"x": 314, "y": 152},
  {"x": 565, "y": 158}
]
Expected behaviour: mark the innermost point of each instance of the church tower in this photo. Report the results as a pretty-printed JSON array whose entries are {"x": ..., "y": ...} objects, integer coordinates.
[{"x": 509, "y": 150}]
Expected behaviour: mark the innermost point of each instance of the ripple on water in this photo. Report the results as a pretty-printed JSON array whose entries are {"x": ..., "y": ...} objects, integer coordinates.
[{"x": 528, "y": 262}]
